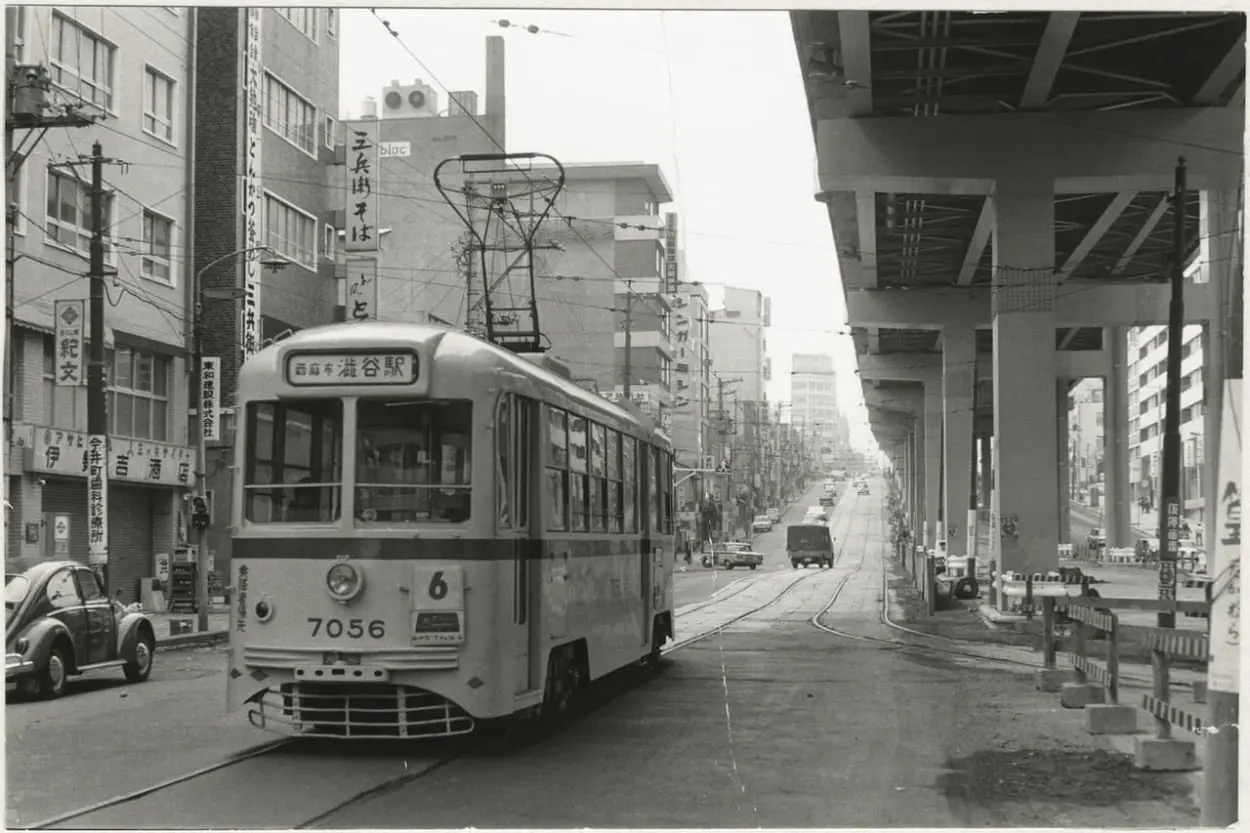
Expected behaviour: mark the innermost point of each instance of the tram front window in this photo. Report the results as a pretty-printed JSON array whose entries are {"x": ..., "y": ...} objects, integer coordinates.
[
  {"x": 413, "y": 461},
  {"x": 294, "y": 467}
]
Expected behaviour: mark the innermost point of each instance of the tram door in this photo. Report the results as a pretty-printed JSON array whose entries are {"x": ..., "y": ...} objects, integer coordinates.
[
  {"x": 518, "y": 520},
  {"x": 646, "y": 528}
]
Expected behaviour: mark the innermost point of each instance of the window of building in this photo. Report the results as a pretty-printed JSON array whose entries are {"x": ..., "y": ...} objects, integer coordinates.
[
  {"x": 329, "y": 242},
  {"x": 81, "y": 62},
  {"x": 158, "y": 104},
  {"x": 69, "y": 220},
  {"x": 158, "y": 234},
  {"x": 304, "y": 19},
  {"x": 330, "y": 129},
  {"x": 557, "y": 468},
  {"x": 666, "y": 371},
  {"x": 290, "y": 115},
  {"x": 291, "y": 232},
  {"x": 139, "y": 394},
  {"x": 64, "y": 406}
]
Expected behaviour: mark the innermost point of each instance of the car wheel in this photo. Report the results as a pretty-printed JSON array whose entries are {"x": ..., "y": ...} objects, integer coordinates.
[
  {"x": 54, "y": 673},
  {"x": 794, "y": 565},
  {"x": 139, "y": 668},
  {"x": 753, "y": 566}
]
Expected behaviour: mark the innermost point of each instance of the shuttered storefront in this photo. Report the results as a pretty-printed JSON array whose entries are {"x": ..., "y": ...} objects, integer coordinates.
[{"x": 130, "y": 511}]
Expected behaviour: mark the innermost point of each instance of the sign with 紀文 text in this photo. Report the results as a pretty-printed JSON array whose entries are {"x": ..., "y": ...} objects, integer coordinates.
[
  {"x": 351, "y": 369},
  {"x": 210, "y": 398},
  {"x": 70, "y": 343},
  {"x": 69, "y": 453},
  {"x": 362, "y": 186}
]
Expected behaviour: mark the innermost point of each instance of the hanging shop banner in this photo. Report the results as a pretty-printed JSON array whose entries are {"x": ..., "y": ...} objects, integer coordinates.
[
  {"x": 71, "y": 359},
  {"x": 1224, "y": 668},
  {"x": 67, "y": 453},
  {"x": 97, "y": 500},
  {"x": 210, "y": 398},
  {"x": 362, "y": 289},
  {"x": 362, "y": 186},
  {"x": 670, "y": 253},
  {"x": 252, "y": 191}
]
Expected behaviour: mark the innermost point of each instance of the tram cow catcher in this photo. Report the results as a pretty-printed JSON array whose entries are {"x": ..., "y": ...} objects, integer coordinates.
[{"x": 431, "y": 531}]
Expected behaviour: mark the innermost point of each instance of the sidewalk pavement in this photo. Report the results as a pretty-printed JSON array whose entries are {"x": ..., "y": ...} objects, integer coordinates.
[
  {"x": 217, "y": 633},
  {"x": 1094, "y": 516}
]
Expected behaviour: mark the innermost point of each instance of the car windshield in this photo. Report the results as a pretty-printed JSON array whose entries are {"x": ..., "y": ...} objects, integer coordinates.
[{"x": 15, "y": 589}]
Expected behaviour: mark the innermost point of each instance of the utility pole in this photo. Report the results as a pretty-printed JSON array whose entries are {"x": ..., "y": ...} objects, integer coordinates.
[
  {"x": 97, "y": 381},
  {"x": 629, "y": 344},
  {"x": 1170, "y": 481}
]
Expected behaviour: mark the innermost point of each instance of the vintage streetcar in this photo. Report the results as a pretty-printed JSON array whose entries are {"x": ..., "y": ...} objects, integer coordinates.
[{"x": 430, "y": 531}]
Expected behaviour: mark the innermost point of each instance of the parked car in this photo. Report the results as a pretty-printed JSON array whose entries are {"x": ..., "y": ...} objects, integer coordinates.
[
  {"x": 762, "y": 523},
  {"x": 774, "y": 514},
  {"x": 1096, "y": 539},
  {"x": 735, "y": 554},
  {"x": 60, "y": 623}
]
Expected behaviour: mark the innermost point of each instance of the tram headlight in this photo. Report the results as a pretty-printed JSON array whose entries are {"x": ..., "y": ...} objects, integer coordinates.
[
  {"x": 344, "y": 581},
  {"x": 264, "y": 609}
]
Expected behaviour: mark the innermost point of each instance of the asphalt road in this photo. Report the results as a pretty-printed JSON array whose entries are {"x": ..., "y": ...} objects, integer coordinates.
[
  {"x": 767, "y": 722},
  {"x": 1082, "y": 520}
]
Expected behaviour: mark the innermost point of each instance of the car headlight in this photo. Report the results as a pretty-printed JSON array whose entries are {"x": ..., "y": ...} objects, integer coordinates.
[
  {"x": 21, "y": 645},
  {"x": 344, "y": 581}
]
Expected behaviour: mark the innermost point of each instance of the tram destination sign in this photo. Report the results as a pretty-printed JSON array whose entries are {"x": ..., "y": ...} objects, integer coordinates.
[{"x": 354, "y": 368}]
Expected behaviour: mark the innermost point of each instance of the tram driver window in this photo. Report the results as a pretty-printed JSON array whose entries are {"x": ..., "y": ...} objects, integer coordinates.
[
  {"x": 413, "y": 461},
  {"x": 294, "y": 461}
]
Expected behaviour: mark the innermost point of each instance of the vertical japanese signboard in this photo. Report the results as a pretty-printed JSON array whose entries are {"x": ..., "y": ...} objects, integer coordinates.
[
  {"x": 97, "y": 500},
  {"x": 1224, "y": 670},
  {"x": 362, "y": 186},
  {"x": 252, "y": 191},
  {"x": 670, "y": 253},
  {"x": 361, "y": 300},
  {"x": 1169, "y": 549},
  {"x": 210, "y": 398},
  {"x": 70, "y": 337}
]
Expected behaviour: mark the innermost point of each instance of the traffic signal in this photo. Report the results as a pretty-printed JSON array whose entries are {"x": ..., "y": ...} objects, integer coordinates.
[{"x": 199, "y": 512}]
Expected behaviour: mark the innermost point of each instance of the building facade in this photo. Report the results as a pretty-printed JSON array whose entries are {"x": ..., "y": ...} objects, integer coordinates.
[
  {"x": 692, "y": 406},
  {"x": 814, "y": 407},
  {"x": 1085, "y": 443},
  {"x": 1147, "y": 386},
  {"x": 135, "y": 92}
]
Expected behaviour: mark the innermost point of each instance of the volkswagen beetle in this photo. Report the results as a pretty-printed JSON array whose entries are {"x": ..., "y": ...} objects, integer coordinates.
[{"x": 60, "y": 623}]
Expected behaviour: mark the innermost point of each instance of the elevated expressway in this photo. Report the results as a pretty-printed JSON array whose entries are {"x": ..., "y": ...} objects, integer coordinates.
[{"x": 999, "y": 188}]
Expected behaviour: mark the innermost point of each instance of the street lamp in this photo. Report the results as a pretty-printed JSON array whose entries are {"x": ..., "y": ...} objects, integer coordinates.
[{"x": 197, "y": 339}]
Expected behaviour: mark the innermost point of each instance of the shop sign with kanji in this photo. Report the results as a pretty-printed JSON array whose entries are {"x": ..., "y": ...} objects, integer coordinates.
[
  {"x": 210, "y": 398},
  {"x": 362, "y": 289},
  {"x": 362, "y": 186},
  {"x": 70, "y": 363},
  {"x": 251, "y": 192},
  {"x": 307, "y": 369},
  {"x": 93, "y": 461},
  {"x": 57, "y": 451}
]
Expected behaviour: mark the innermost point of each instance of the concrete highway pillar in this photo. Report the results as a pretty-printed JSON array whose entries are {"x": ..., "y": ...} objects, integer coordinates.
[
  {"x": 987, "y": 469},
  {"x": 1064, "y": 463},
  {"x": 918, "y": 456},
  {"x": 958, "y": 380},
  {"x": 1115, "y": 418},
  {"x": 933, "y": 463},
  {"x": 1024, "y": 294},
  {"x": 1219, "y": 228}
]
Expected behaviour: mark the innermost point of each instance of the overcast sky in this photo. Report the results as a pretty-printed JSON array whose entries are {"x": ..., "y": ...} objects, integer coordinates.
[{"x": 715, "y": 98}]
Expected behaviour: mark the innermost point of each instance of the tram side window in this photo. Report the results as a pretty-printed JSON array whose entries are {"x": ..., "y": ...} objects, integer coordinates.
[
  {"x": 503, "y": 462},
  {"x": 629, "y": 473},
  {"x": 578, "y": 453},
  {"x": 653, "y": 484},
  {"x": 598, "y": 478},
  {"x": 414, "y": 461},
  {"x": 666, "y": 490},
  {"x": 293, "y": 466},
  {"x": 615, "y": 480},
  {"x": 557, "y": 468}
]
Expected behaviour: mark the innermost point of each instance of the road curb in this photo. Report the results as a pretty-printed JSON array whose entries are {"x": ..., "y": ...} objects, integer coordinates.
[{"x": 192, "y": 640}]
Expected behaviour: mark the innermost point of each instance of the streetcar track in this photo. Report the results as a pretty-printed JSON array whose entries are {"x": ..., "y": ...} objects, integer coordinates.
[{"x": 396, "y": 782}]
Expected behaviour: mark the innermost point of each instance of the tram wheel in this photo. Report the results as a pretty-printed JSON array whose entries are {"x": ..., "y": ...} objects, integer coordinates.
[{"x": 563, "y": 680}]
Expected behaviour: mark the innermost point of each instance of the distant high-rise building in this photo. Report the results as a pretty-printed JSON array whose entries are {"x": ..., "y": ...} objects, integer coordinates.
[{"x": 814, "y": 406}]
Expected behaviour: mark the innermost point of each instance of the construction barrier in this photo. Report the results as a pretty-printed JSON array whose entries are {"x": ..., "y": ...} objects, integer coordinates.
[
  {"x": 1120, "y": 555},
  {"x": 1019, "y": 591},
  {"x": 1206, "y": 584},
  {"x": 1085, "y": 616}
]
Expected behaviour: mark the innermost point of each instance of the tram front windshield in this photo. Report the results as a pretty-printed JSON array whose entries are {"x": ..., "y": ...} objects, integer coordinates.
[{"x": 413, "y": 462}]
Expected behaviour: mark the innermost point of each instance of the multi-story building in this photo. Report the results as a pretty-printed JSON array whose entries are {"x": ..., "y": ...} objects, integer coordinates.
[
  {"x": 814, "y": 406},
  {"x": 1147, "y": 384},
  {"x": 421, "y": 268},
  {"x": 1085, "y": 442},
  {"x": 178, "y": 209},
  {"x": 281, "y": 135}
]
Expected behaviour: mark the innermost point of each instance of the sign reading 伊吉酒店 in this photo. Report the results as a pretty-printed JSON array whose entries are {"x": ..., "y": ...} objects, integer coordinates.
[{"x": 56, "y": 451}]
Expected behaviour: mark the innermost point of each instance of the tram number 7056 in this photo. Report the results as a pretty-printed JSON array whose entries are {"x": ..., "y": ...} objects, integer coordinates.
[{"x": 353, "y": 628}]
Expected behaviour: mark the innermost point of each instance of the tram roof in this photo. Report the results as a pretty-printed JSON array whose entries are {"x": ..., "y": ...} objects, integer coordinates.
[{"x": 442, "y": 344}]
